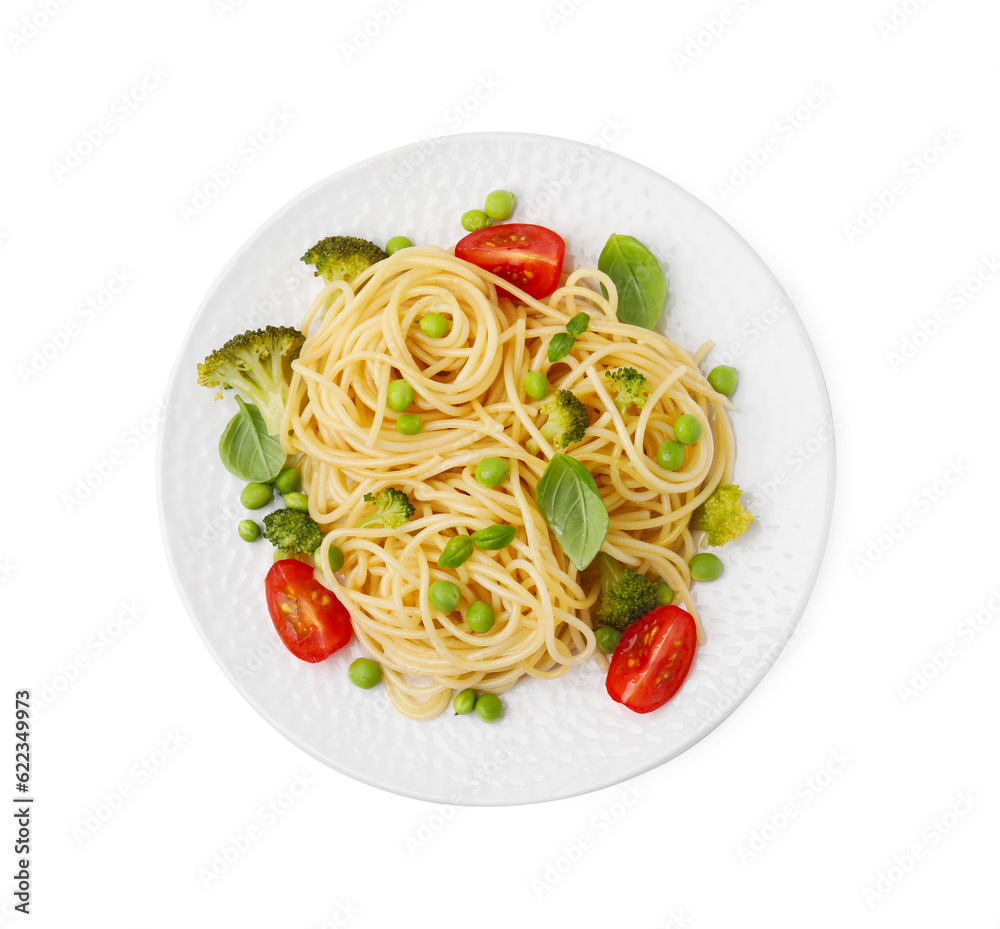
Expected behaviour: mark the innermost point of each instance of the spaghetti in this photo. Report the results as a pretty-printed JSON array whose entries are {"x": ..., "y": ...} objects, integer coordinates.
[{"x": 468, "y": 392}]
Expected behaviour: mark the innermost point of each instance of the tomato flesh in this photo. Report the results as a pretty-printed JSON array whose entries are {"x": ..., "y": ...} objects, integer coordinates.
[
  {"x": 527, "y": 256},
  {"x": 652, "y": 659},
  {"x": 310, "y": 620}
]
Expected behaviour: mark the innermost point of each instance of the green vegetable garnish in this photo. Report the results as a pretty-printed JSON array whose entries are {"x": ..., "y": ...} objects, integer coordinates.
[
  {"x": 722, "y": 516},
  {"x": 625, "y": 595},
  {"x": 638, "y": 278},
  {"x": 571, "y": 504}
]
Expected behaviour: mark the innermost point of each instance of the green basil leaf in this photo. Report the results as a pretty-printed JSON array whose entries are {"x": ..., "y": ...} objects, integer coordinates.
[
  {"x": 639, "y": 279},
  {"x": 494, "y": 537},
  {"x": 560, "y": 346},
  {"x": 571, "y": 504},
  {"x": 457, "y": 552},
  {"x": 246, "y": 448},
  {"x": 577, "y": 326}
]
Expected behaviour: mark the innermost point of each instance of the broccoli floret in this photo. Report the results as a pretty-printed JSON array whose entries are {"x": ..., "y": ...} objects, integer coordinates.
[
  {"x": 258, "y": 364},
  {"x": 568, "y": 419},
  {"x": 625, "y": 595},
  {"x": 293, "y": 532},
  {"x": 394, "y": 508},
  {"x": 722, "y": 515},
  {"x": 342, "y": 257},
  {"x": 630, "y": 387}
]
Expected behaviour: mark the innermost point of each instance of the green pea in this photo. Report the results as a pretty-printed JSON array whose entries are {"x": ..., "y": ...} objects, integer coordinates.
[
  {"x": 465, "y": 700},
  {"x": 457, "y": 551},
  {"x": 396, "y": 243},
  {"x": 336, "y": 557},
  {"x": 608, "y": 638},
  {"x": 705, "y": 566},
  {"x": 409, "y": 424},
  {"x": 664, "y": 595},
  {"x": 480, "y": 616},
  {"x": 255, "y": 495},
  {"x": 499, "y": 205},
  {"x": 435, "y": 326},
  {"x": 288, "y": 479},
  {"x": 687, "y": 429},
  {"x": 489, "y": 708},
  {"x": 560, "y": 346},
  {"x": 670, "y": 455},
  {"x": 249, "y": 531},
  {"x": 578, "y": 325},
  {"x": 444, "y": 595},
  {"x": 297, "y": 501},
  {"x": 723, "y": 379},
  {"x": 474, "y": 220},
  {"x": 365, "y": 673},
  {"x": 536, "y": 385},
  {"x": 399, "y": 396},
  {"x": 492, "y": 472}
]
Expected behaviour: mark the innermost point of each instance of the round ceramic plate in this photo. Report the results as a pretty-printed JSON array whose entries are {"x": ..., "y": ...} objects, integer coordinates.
[{"x": 557, "y": 738}]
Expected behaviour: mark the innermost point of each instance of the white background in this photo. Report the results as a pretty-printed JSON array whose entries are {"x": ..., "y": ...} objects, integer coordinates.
[{"x": 856, "y": 786}]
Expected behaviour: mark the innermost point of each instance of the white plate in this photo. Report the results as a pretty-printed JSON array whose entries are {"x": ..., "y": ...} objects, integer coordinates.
[{"x": 557, "y": 738}]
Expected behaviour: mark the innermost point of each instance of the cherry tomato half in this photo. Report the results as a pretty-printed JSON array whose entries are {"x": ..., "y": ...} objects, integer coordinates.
[
  {"x": 529, "y": 257},
  {"x": 653, "y": 658},
  {"x": 310, "y": 619}
]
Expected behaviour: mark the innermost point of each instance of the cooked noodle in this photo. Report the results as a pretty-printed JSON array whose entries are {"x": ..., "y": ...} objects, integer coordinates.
[{"x": 468, "y": 391}]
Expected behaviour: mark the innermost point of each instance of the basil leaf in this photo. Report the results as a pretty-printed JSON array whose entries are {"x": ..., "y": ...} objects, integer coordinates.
[
  {"x": 494, "y": 537},
  {"x": 246, "y": 448},
  {"x": 571, "y": 504},
  {"x": 639, "y": 279},
  {"x": 577, "y": 326},
  {"x": 457, "y": 552},
  {"x": 560, "y": 346}
]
